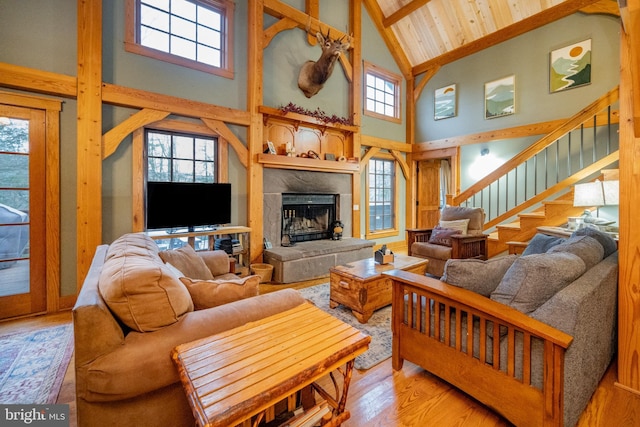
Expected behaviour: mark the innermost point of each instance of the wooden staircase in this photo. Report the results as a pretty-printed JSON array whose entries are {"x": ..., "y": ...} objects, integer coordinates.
[{"x": 551, "y": 213}]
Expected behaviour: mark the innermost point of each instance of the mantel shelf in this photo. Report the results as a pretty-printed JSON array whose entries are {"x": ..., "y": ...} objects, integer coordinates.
[
  {"x": 301, "y": 163},
  {"x": 302, "y": 118}
]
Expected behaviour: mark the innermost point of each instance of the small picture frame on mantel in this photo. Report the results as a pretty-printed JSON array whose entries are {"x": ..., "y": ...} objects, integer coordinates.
[{"x": 330, "y": 156}]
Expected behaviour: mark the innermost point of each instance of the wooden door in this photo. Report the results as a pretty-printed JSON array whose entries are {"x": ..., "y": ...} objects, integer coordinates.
[
  {"x": 22, "y": 211},
  {"x": 428, "y": 194}
]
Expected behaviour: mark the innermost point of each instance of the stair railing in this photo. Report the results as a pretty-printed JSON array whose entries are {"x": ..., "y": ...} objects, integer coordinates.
[{"x": 525, "y": 180}]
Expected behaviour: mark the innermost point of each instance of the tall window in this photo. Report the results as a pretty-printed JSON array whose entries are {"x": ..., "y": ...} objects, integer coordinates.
[
  {"x": 178, "y": 157},
  {"x": 381, "y": 184},
  {"x": 192, "y": 33},
  {"x": 382, "y": 93}
]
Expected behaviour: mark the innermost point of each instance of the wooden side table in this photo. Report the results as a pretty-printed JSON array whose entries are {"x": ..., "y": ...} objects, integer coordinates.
[
  {"x": 235, "y": 377},
  {"x": 360, "y": 285}
]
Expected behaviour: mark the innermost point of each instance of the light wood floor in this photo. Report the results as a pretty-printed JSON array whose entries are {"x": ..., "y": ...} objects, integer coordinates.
[{"x": 382, "y": 397}]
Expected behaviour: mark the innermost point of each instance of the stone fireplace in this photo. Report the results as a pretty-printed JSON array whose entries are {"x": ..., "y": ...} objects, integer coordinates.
[
  {"x": 284, "y": 186},
  {"x": 307, "y": 217},
  {"x": 302, "y": 205}
]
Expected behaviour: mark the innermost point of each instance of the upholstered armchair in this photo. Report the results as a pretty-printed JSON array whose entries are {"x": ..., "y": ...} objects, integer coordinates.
[{"x": 458, "y": 235}]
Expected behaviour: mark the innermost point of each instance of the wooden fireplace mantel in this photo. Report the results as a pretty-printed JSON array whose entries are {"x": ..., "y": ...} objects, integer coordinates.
[{"x": 307, "y": 135}]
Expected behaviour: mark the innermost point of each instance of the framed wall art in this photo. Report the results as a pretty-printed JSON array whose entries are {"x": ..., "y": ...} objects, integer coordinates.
[
  {"x": 445, "y": 102},
  {"x": 500, "y": 97},
  {"x": 570, "y": 66}
]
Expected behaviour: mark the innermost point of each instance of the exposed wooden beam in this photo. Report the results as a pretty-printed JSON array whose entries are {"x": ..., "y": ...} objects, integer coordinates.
[
  {"x": 112, "y": 139},
  {"x": 518, "y": 28},
  {"x": 223, "y": 130},
  {"x": 387, "y": 144},
  {"x": 89, "y": 136},
  {"x": 128, "y": 97},
  {"x": 389, "y": 38},
  {"x": 305, "y": 22},
  {"x": 507, "y": 134},
  {"x": 403, "y": 11},
  {"x": 406, "y": 171},
  {"x": 607, "y": 7},
  {"x": 275, "y": 29},
  {"x": 313, "y": 10},
  {"x": 17, "y": 77},
  {"x": 630, "y": 14}
]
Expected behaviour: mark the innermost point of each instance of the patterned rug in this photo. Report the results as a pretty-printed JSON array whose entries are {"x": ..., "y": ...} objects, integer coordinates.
[
  {"x": 378, "y": 326},
  {"x": 33, "y": 364}
]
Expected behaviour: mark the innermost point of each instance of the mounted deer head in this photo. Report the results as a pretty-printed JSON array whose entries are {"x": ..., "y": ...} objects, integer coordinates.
[{"x": 314, "y": 74}]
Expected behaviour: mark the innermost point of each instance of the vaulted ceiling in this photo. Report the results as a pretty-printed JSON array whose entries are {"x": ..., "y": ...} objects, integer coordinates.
[{"x": 423, "y": 35}]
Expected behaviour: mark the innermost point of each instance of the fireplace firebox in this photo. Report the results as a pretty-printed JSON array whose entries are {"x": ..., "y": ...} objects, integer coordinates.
[{"x": 308, "y": 217}]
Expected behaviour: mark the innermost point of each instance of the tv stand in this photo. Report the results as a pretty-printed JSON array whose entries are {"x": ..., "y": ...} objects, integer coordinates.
[{"x": 243, "y": 233}]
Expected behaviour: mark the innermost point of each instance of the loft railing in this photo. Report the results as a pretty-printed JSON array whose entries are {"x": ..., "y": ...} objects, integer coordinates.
[{"x": 580, "y": 147}]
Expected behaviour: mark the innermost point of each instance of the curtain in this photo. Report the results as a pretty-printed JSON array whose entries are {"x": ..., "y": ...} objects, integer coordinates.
[{"x": 445, "y": 181}]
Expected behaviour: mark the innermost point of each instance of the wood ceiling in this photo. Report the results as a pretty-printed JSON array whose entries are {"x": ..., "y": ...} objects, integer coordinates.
[{"x": 426, "y": 34}]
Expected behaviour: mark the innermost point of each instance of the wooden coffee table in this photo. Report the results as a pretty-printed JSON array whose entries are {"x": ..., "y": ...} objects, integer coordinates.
[
  {"x": 237, "y": 376},
  {"x": 360, "y": 285}
]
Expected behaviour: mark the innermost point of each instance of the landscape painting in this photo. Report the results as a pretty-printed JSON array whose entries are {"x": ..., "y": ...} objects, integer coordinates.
[
  {"x": 445, "y": 102},
  {"x": 499, "y": 98},
  {"x": 570, "y": 66}
]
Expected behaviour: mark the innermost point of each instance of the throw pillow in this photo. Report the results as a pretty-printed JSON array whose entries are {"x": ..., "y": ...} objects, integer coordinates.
[
  {"x": 211, "y": 293},
  {"x": 174, "y": 270},
  {"x": 587, "y": 248},
  {"x": 442, "y": 236},
  {"x": 143, "y": 294},
  {"x": 188, "y": 262},
  {"x": 216, "y": 261},
  {"x": 458, "y": 224},
  {"x": 541, "y": 243},
  {"x": 533, "y": 279},
  {"x": 607, "y": 242},
  {"x": 476, "y": 275}
]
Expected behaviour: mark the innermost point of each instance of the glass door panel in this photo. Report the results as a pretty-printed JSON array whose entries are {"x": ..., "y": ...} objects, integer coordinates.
[{"x": 22, "y": 281}]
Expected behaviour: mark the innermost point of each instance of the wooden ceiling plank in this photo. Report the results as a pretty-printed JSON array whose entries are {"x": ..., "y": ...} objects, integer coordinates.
[
  {"x": 403, "y": 12},
  {"x": 528, "y": 24}
]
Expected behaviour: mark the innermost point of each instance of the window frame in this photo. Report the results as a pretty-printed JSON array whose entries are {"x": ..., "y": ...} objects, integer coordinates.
[
  {"x": 132, "y": 44},
  {"x": 388, "y": 232},
  {"x": 395, "y": 79},
  {"x": 172, "y": 157}
]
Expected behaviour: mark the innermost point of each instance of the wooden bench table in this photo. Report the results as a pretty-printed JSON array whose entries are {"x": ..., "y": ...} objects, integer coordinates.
[{"x": 238, "y": 374}]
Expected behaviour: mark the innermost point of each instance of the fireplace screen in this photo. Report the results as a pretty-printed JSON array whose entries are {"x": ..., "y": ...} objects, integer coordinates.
[{"x": 307, "y": 216}]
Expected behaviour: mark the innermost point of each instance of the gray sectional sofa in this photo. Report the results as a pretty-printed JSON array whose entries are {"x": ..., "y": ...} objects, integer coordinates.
[{"x": 555, "y": 308}]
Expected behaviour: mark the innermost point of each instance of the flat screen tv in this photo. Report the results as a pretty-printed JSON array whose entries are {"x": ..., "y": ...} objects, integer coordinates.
[{"x": 187, "y": 204}]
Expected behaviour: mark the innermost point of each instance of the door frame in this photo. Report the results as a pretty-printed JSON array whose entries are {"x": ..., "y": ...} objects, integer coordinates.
[
  {"x": 51, "y": 236},
  {"x": 453, "y": 155}
]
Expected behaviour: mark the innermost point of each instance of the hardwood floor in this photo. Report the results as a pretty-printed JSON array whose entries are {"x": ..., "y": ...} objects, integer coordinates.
[{"x": 382, "y": 397}]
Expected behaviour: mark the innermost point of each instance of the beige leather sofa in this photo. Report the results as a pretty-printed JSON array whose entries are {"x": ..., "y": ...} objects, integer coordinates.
[{"x": 133, "y": 309}]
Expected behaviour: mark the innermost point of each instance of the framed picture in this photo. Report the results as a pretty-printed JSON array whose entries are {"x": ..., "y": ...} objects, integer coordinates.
[
  {"x": 329, "y": 156},
  {"x": 570, "y": 66},
  {"x": 500, "y": 97},
  {"x": 272, "y": 148},
  {"x": 444, "y": 100}
]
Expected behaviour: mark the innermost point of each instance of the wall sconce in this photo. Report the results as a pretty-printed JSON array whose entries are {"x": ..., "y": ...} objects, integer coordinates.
[{"x": 483, "y": 165}]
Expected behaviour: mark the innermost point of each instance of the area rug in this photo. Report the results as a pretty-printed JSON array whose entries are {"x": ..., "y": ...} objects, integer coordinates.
[
  {"x": 378, "y": 326},
  {"x": 33, "y": 364}
]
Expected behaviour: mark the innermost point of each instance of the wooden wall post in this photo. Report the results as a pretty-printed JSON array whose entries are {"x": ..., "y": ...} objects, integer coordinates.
[
  {"x": 255, "y": 197},
  {"x": 629, "y": 276},
  {"x": 354, "y": 105},
  {"x": 89, "y": 132}
]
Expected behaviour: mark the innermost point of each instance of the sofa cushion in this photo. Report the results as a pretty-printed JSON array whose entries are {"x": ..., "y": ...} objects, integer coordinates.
[
  {"x": 481, "y": 277},
  {"x": 533, "y": 279},
  {"x": 457, "y": 224},
  {"x": 216, "y": 261},
  {"x": 426, "y": 250},
  {"x": 140, "y": 290},
  {"x": 587, "y": 248},
  {"x": 608, "y": 243},
  {"x": 187, "y": 260},
  {"x": 541, "y": 243},
  {"x": 442, "y": 236},
  {"x": 475, "y": 216},
  {"x": 211, "y": 293}
]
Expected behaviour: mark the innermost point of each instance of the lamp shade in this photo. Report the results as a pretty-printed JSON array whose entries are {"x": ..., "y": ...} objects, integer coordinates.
[
  {"x": 588, "y": 194},
  {"x": 611, "y": 192}
]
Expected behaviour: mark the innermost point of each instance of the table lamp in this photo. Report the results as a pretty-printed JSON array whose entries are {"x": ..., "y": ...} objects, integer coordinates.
[{"x": 588, "y": 194}]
